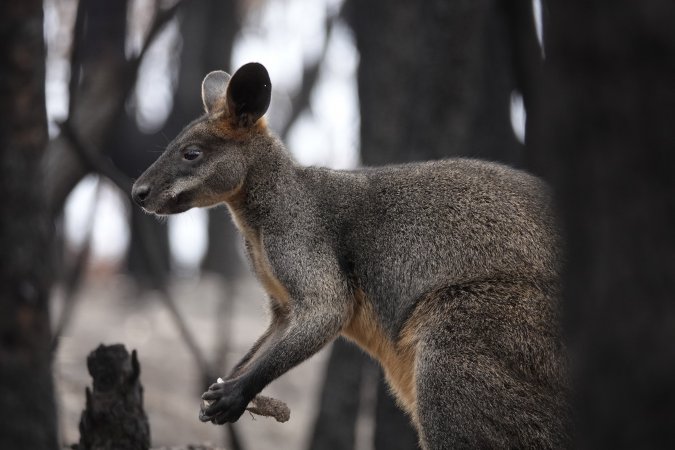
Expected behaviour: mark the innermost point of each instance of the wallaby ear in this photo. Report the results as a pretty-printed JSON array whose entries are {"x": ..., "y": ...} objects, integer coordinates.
[
  {"x": 248, "y": 94},
  {"x": 214, "y": 90}
]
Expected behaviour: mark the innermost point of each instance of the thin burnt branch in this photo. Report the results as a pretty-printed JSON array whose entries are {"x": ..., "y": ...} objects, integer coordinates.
[
  {"x": 310, "y": 76},
  {"x": 75, "y": 276},
  {"x": 94, "y": 159},
  {"x": 154, "y": 262},
  {"x": 161, "y": 20},
  {"x": 269, "y": 407},
  {"x": 76, "y": 57}
]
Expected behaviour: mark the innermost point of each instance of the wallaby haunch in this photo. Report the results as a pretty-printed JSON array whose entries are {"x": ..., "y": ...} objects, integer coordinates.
[{"x": 446, "y": 272}]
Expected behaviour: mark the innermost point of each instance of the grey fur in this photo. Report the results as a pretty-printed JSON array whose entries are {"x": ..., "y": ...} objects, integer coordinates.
[{"x": 464, "y": 253}]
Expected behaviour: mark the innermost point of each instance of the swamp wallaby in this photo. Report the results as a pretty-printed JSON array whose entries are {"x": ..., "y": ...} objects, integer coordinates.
[{"x": 446, "y": 272}]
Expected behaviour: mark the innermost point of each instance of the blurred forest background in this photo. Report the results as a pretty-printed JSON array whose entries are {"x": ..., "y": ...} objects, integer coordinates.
[{"x": 580, "y": 93}]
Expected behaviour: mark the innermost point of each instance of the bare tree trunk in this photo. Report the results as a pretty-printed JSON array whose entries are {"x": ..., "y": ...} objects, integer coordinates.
[
  {"x": 335, "y": 426},
  {"x": 26, "y": 391},
  {"x": 607, "y": 136},
  {"x": 435, "y": 80},
  {"x": 114, "y": 416}
]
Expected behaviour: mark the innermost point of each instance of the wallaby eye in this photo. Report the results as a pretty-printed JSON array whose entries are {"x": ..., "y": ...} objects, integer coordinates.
[{"x": 191, "y": 153}]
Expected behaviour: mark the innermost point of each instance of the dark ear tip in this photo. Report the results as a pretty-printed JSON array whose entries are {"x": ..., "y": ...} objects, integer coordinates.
[
  {"x": 253, "y": 65},
  {"x": 254, "y": 69},
  {"x": 254, "y": 73},
  {"x": 250, "y": 90}
]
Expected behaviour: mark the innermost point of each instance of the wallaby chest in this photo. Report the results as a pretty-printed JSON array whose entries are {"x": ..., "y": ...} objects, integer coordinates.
[
  {"x": 263, "y": 269},
  {"x": 259, "y": 259}
]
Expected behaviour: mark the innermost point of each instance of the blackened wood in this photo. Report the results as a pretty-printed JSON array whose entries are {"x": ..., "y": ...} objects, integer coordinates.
[
  {"x": 26, "y": 391},
  {"x": 335, "y": 425},
  {"x": 607, "y": 142},
  {"x": 114, "y": 417}
]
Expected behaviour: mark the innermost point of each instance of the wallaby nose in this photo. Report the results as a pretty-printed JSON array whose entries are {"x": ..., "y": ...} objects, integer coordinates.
[{"x": 140, "y": 193}]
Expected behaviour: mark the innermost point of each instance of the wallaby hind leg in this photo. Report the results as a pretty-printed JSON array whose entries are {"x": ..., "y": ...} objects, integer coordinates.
[
  {"x": 485, "y": 375},
  {"x": 468, "y": 401}
]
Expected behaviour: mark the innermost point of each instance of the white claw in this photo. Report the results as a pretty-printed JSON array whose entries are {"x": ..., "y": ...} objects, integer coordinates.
[{"x": 207, "y": 403}]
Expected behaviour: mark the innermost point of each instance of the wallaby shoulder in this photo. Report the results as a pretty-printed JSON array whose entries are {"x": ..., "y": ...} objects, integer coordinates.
[{"x": 402, "y": 230}]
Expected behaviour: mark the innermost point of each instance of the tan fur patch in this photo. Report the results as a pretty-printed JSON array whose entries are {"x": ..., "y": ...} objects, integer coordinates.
[
  {"x": 397, "y": 358},
  {"x": 228, "y": 129},
  {"x": 261, "y": 263},
  {"x": 220, "y": 124}
]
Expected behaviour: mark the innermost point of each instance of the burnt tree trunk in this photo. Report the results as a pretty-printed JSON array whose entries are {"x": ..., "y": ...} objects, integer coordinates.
[
  {"x": 26, "y": 391},
  {"x": 607, "y": 136},
  {"x": 435, "y": 80},
  {"x": 335, "y": 425},
  {"x": 114, "y": 417}
]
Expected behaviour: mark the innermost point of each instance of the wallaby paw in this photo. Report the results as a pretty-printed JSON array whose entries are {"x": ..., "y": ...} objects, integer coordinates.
[{"x": 223, "y": 402}]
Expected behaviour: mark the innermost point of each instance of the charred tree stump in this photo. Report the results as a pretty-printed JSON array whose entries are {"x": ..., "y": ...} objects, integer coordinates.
[{"x": 114, "y": 417}]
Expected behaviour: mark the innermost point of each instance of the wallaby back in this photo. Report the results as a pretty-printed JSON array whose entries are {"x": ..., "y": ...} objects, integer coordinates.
[{"x": 444, "y": 271}]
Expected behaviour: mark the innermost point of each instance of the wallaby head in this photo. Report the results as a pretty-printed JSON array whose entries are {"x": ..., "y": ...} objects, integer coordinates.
[{"x": 208, "y": 161}]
